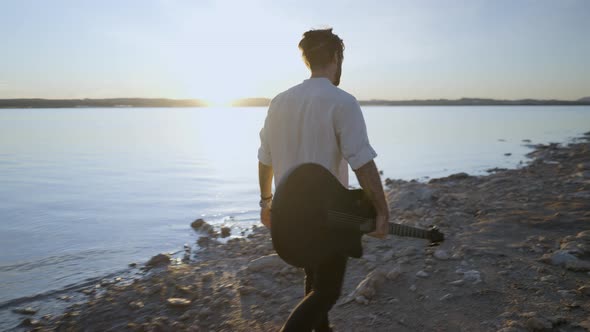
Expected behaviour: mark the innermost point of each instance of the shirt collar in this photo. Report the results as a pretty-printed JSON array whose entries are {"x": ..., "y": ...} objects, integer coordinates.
[{"x": 318, "y": 79}]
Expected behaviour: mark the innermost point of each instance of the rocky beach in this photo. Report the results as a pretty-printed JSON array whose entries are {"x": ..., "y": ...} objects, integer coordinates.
[{"x": 516, "y": 258}]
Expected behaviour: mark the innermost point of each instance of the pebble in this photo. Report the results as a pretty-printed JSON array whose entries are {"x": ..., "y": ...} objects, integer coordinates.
[
  {"x": 441, "y": 254},
  {"x": 178, "y": 302},
  {"x": 538, "y": 324},
  {"x": 29, "y": 322},
  {"x": 136, "y": 304},
  {"x": 457, "y": 282},
  {"x": 422, "y": 274},
  {"x": 225, "y": 232},
  {"x": 25, "y": 311},
  {"x": 566, "y": 293},
  {"x": 446, "y": 297},
  {"x": 548, "y": 278},
  {"x": 473, "y": 276},
  {"x": 413, "y": 288},
  {"x": 361, "y": 300},
  {"x": 159, "y": 260},
  {"x": 584, "y": 290},
  {"x": 585, "y": 324},
  {"x": 394, "y": 273}
]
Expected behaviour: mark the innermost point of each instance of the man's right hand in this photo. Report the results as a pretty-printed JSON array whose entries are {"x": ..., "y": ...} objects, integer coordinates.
[
  {"x": 381, "y": 225},
  {"x": 265, "y": 217}
]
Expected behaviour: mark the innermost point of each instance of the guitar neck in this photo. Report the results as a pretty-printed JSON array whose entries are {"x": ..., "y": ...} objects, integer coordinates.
[
  {"x": 403, "y": 230},
  {"x": 366, "y": 225}
]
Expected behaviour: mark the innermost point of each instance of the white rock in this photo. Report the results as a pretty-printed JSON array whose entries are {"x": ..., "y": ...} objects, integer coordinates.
[
  {"x": 457, "y": 282},
  {"x": 367, "y": 288},
  {"x": 473, "y": 276},
  {"x": 178, "y": 302},
  {"x": 441, "y": 254},
  {"x": 361, "y": 300},
  {"x": 445, "y": 297},
  {"x": 422, "y": 274}
]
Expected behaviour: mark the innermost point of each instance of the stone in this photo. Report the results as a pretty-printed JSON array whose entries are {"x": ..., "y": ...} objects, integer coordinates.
[
  {"x": 538, "y": 324},
  {"x": 270, "y": 263},
  {"x": 410, "y": 197},
  {"x": 566, "y": 293},
  {"x": 473, "y": 276},
  {"x": 136, "y": 305},
  {"x": 422, "y": 274},
  {"x": 394, "y": 273},
  {"x": 441, "y": 254},
  {"x": 413, "y": 288},
  {"x": 584, "y": 290},
  {"x": 578, "y": 265},
  {"x": 201, "y": 225},
  {"x": 457, "y": 282},
  {"x": 548, "y": 278},
  {"x": 361, "y": 300},
  {"x": 25, "y": 311},
  {"x": 583, "y": 174},
  {"x": 367, "y": 288},
  {"x": 159, "y": 260},
  {"x": 28, "y": 322},
  {"x": 585, "y": 324},
  {"x": 558, "y": 258},
  {"x": 225, "y": 232},
  {"x": 178, "y": 302},
  {"x": 445, "y": 297}
]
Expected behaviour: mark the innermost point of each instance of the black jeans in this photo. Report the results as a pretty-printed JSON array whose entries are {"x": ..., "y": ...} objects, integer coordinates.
[{"x": 323, "y": 284}]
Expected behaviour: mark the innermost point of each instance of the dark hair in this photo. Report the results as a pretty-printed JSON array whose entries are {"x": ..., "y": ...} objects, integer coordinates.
[{"x": 318, "y": 48}]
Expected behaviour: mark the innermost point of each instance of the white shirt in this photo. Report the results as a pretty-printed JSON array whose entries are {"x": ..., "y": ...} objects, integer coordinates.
[{"x": 315, "y": 122}]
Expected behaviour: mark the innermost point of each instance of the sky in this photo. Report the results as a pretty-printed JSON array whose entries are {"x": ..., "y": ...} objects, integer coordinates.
[{"x": 221, "y": 50}]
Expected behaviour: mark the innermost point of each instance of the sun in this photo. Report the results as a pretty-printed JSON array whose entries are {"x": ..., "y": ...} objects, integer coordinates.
[{"x": 219, "y": 101}]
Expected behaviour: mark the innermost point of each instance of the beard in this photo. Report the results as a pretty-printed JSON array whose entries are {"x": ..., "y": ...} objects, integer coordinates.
[{"x": 336, "y": 80}]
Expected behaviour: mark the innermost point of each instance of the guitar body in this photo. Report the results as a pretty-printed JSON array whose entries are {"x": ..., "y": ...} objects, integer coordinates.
[{"x": 301, "y": 232}]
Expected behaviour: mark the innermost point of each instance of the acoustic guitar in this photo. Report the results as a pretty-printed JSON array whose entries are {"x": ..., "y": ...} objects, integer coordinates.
[{"x": 314, "y": 216}]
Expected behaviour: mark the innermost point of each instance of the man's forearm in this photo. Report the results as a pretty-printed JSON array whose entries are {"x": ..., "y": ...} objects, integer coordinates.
[
  {"x": 265, "y": 179},
  {"x": 370, "y": 181}
]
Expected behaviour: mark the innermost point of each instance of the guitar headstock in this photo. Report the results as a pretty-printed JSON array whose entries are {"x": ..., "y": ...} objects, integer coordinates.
[{"x": 435, "y": 235}]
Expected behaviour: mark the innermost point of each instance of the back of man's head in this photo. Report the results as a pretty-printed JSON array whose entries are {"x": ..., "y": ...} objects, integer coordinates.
[{"x": 319, "y": 47}]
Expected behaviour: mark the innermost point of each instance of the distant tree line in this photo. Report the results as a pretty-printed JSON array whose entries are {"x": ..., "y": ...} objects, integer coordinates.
[
  {"x": 112, "y": 102},
  {"x": 248, "y": 102}
]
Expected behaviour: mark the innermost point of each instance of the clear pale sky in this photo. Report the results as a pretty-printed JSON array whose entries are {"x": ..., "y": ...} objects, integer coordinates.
[{"x": 219, "y": 50}]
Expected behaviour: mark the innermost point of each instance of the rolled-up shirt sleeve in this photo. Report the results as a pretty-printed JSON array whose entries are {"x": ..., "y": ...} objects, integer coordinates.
[
  {"x": 264, "y": 149},
  {"x": 351, "y": 131}
]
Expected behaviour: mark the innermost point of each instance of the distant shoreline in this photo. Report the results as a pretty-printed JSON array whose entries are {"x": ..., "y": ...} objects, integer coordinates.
[{"x": 263, "y": 102}]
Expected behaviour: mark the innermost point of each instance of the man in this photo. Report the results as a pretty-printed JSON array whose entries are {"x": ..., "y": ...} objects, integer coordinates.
[{"x": 316, "y": 122}]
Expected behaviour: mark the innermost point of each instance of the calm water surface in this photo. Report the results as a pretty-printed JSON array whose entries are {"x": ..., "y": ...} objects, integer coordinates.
[{"x": 84, "y": 192}]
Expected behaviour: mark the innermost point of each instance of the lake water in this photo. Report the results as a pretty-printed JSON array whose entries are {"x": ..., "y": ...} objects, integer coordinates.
[{"x": 84, "y": 192}]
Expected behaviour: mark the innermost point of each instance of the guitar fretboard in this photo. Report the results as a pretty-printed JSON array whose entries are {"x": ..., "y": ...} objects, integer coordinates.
[
  {"x": 360, "y": 223},
  {"x": 403, "y": 230}
]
